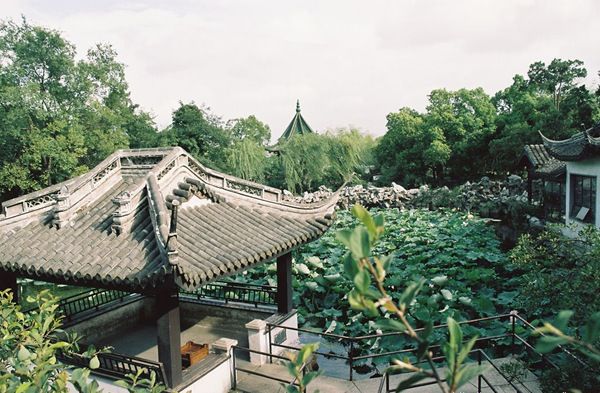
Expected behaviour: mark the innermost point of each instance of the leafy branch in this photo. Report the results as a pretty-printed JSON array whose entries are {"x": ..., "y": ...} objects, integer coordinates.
[
  {"x": 297, "y": 366},
  {"x": 369, "y": 295},
  {"x": 553, "y": 335},
  {"x": 32, "y": 343}
]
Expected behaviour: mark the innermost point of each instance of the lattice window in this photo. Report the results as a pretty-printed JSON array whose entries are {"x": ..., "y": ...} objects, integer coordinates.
[
  {"x": 141, "y": 160},
  {"x": 41, "y": 201},
  {"x": 197, "y": 170},
  {"x": 167, "y": 169},
  {"x": 103, "y": 174},
  {"x": 583, "y": 198},
  {"x": 244, "y": 188}
]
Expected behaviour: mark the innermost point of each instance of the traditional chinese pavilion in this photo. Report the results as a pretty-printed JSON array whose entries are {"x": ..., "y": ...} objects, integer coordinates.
[
  {"x": 550, "y": 174},
  {"x": 154, "y": 221},
  {"x": 298, "y": 126},
  {"x": 570, "y": 170},
  {"x": 581, "y": 153}
]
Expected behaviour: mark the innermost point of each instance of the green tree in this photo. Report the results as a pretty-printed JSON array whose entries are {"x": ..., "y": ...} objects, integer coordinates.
[
  {"x": 462, "y": 123},
  {"x": 551, "y": 99},
  {"x": 399, "y": 153},
  {"x": 31, "y": 343},
  {"x": 296, "y": 368},
  {"x": 59, "y": 116},
  {"x": 308, "y": 161},
  {"x": 246, "y": 159},
  {"x": 574, "y": 375},
  {"x": 199, "y": 132},
  {"x": 36, "y": 83},
  {"x": 350, "y": 152},
  {"x": 250, "y": 128},
  {"x": 304, "y": 161},
  {"x": 558, "y": 79},
  {"x": 558, "y": 273}
]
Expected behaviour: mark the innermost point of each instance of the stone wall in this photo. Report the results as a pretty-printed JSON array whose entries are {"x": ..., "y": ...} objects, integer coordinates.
[{"x": 487, "y": 197}]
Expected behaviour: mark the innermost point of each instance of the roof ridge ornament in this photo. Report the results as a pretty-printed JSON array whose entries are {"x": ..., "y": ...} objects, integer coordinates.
[
  {"x": 122, "y": 218},
  {"x": 61, "y": 209},
  {"x": 298, "y": 106},
  {"x": 172, "y": 253}
]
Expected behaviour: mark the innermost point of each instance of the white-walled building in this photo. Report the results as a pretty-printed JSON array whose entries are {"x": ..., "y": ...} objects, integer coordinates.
[{"x": 581, "y": 153}]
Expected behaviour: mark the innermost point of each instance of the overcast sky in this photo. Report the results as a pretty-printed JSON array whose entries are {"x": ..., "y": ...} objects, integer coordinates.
[{"x": 349, "y": 62}]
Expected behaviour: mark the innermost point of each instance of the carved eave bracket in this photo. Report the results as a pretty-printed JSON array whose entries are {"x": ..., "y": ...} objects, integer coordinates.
[
  {"x": 61, "y": 209},
  {"x": 122, "y": 217},
  {"x": 172, "y": 253}
]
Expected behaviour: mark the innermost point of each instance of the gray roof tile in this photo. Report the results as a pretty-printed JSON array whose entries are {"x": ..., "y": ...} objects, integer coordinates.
[
  {"x": 542, "y": 163},
  {"x": 579, "y": 146},
  {"x": 97, "y": 240}
]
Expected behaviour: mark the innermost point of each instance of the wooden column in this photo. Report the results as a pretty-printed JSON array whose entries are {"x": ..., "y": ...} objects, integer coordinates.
[
  {"x": 169, "y": 335},
  {"x": 529, "y": 187},
  {"x": 8, "y": 280},
  {"x": 284, "y": 283}
]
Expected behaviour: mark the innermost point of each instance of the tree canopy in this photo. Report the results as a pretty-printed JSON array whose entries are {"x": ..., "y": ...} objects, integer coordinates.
[
  {"x": 58, "y": 115},
  {"x": 448, "y": 140},
  {"x": 551, "y": 99},
  {"x": 465, "y": 134},
  {"x": 61, "y": 114}
]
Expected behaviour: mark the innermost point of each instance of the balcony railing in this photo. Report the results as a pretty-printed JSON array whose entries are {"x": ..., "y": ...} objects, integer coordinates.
[
  {"x": 90, "y": 301},
  {"x": 232, "y": 292},
  {"x": 117, "y": 366}
]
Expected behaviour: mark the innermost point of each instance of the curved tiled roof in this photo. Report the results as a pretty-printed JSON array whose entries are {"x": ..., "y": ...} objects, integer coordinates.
[
  {"x": 542, "y": 164},
  {"x": 87, "y": 251},
  {"x": 113, "y": 227},
  {"x": 579, "y": 146},
  {"x": 222, "y": 238}
]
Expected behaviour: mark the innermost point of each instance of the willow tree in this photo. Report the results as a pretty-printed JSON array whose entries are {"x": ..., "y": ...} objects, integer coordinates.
[{"x": 247, "y": 159}]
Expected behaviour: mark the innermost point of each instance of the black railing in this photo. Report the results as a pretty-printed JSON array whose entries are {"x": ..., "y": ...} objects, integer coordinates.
[
  {"x": 117, "y": 366},
  {"x": 91, "y": 300},
  {"x": 353, "y": 343},
  {"x": 226, "y": 292},
  {"x": 236, "y": 368},
  {"x": 220, "y": 291},
  {"x": 481, "y": 356}
]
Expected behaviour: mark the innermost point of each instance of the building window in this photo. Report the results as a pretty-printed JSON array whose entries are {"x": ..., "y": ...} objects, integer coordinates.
[
  {"x": 583, "y": 198},
  {"x": 554, "y": 200}
]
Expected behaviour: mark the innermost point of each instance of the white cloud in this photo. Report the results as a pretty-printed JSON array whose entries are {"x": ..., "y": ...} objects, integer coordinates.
[{"x": 349, "y": 62}]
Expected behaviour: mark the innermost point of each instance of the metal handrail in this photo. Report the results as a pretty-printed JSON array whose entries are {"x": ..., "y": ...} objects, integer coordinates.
[
  {"x": 88, "y": 300},
  {"x": 252, "y": 372},
  {"x": 512, "y": 317},
  {"x": 263, "y": 295},
  {"x": 384, "y": 385},
  {"x": 92, "y": 300},
  {"x": 352, "y": 340},
  {"x": 117, "y": 366}
]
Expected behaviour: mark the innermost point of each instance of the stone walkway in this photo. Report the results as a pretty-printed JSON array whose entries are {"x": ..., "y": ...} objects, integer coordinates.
[{"x": 249, "y": 383}]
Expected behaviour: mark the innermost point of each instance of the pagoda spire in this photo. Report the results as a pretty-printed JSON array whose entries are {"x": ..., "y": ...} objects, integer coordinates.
[{"x": 298, "y": 126}]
